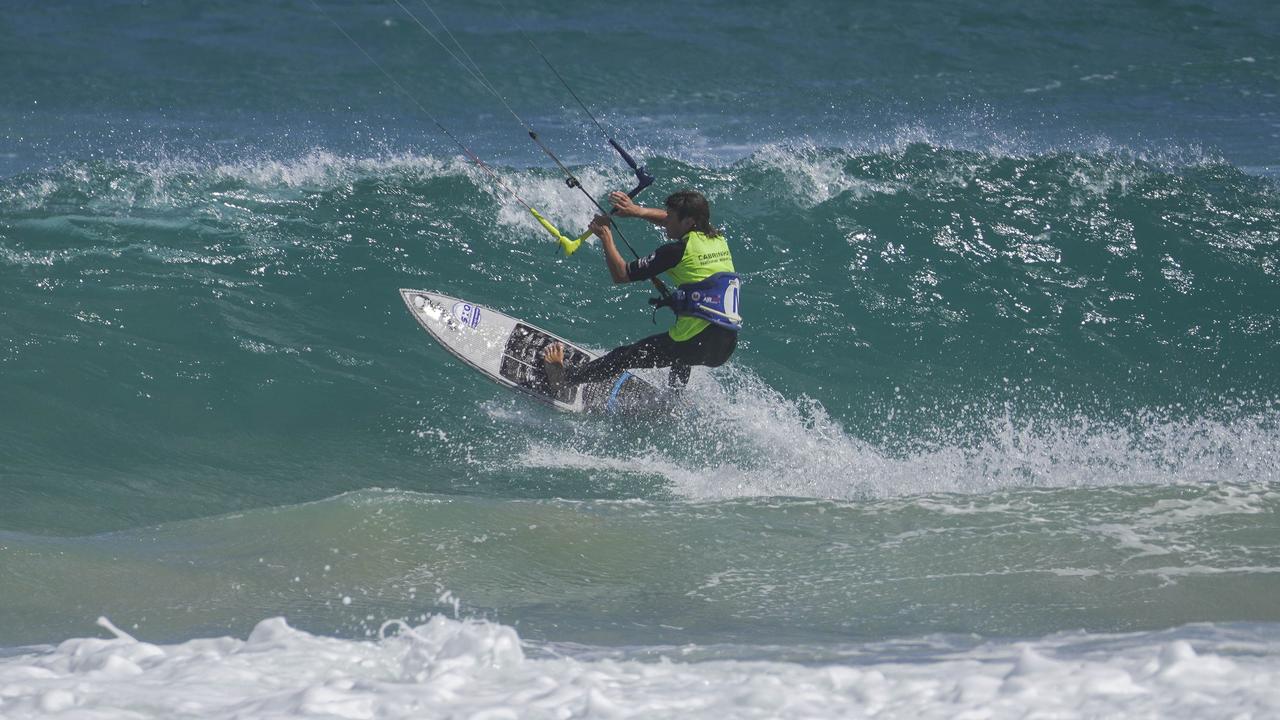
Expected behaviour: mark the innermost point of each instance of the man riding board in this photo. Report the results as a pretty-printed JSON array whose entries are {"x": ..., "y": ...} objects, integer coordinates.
[{"x": 698, "y": 261}]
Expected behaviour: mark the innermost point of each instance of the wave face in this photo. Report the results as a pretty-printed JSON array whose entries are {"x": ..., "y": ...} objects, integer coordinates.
[
  {"x": 192, "y": 339},
  {"x": 1006, "y": 397}
]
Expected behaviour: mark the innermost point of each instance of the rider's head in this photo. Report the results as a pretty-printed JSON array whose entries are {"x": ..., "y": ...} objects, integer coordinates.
[{"x": 688, "y": 210}]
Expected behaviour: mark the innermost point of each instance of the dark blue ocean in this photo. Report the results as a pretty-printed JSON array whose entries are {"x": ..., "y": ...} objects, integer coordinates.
[{"x": 1001, "y": 437}]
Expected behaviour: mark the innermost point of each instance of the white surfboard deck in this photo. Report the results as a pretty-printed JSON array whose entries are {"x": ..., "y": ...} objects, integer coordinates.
[{"x": 509, "y": 352}]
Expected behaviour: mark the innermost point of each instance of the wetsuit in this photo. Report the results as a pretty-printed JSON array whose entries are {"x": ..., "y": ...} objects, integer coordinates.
[{"x": 692, "y": 340}]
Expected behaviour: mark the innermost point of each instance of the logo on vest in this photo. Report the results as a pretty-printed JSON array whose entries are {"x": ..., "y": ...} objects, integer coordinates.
[{"x": 467, "y": 314}]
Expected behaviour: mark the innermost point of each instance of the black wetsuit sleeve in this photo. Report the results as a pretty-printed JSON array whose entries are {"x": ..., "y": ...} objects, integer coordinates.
[{"x": 660, "y": 261}]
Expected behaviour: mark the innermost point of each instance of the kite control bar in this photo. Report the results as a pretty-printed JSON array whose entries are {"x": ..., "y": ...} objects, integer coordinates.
[{"x": 642, "y": 175}]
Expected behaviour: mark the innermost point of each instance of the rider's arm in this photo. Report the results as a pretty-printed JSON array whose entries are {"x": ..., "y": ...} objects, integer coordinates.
[
  {"x": 617, "y": 266},
  {"x": 612, "y": 259},
  {"x": 650, "y": 266},
  {"x": 624, "y": 206},
  {"x": 659, "y": 261}
]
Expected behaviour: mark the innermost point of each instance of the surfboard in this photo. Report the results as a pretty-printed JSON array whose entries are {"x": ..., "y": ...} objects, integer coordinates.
[{"x": 509, "y": 352}]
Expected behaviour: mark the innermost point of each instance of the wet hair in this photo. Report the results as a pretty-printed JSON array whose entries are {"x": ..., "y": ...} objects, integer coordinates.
[{"x": 691, "y": 204}]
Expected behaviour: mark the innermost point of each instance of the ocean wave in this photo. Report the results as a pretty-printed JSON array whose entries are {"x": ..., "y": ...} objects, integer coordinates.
[{"x": 921, "y": 319}]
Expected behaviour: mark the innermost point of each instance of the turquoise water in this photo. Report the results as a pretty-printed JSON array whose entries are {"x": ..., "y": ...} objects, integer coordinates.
[{"x": 1012, "y": 302}]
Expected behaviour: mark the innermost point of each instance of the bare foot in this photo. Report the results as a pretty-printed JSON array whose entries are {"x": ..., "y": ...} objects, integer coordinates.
[{"x": 553, "y": 354}]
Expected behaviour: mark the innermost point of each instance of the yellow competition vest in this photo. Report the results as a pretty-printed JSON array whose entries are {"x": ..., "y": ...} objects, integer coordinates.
[{"x": 704, "y": 256}]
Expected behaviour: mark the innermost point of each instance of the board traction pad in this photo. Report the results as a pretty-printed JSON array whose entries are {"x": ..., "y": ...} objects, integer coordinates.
[{"x": 522, "y": 362}]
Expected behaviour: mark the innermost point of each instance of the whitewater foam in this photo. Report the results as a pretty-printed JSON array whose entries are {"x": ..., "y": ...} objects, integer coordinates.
[
  {"x": 769, "y": 445},
  {"x": 467, "y": 668}
]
